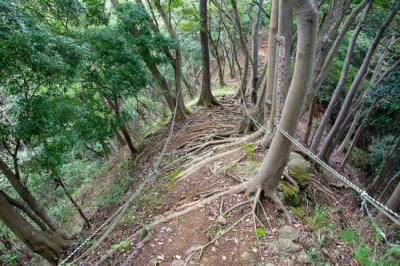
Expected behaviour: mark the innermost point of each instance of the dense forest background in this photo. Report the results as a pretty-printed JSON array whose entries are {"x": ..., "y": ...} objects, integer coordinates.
[{"x": 91, "y": 92}]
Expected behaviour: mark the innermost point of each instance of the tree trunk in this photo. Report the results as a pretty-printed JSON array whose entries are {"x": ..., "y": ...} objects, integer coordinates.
[
  {"x": 309, "y": 122},
  {"x": 271, "y": 170},
  {"x": 26, "y": 195},
  {"x": 206, "y": 97},
  {"x": 390, "y": 162},
  {"x": 180, "y": 115},
  {"x": 321, "y": 75},
  {"x": 48, "y": 244},
  {"x": 243, "y": 82},
  {"x": 270, "y": 79},
  {"x": 352, "y": 145},
  {"x": 393, "y": 202},
  {"x": 254, "y": 68},
  {"x": 349, "y": 133},
  {"x": 71, "y": 199},
  {"x": 354, "y": 87},
  {"x": 339, "y": 87}
]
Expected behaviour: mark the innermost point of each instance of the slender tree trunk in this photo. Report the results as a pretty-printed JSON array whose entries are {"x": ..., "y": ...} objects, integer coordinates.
[
  {"x": 349, "y": 133},
  {"x": 339, "y": 87},
  {"x": 269, "y": 91},
  {"x": 354, "y": 87},
  {"x": 254, "y": 68},
  {"x": 48, "y": 244},
  {"x": 327, "y": 63},
  {"x": 181, "y": 109},
  {"x": 71, "y": 199},
  {"x": 309, "y": 122},
  {"x": 360, "y": 129},
  {"x": 271, "y": 170},
  {"x": 243, "y": 82},
  {"x": 26, "y": 195},
  {"x": 390, "y": 162},
  {"x": 393, "y": 202}
]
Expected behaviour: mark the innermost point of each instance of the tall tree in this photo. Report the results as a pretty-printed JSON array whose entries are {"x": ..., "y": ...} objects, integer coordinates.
[
  {"x": 206, "y": 96},
  {"x": 270, "y": 172}
]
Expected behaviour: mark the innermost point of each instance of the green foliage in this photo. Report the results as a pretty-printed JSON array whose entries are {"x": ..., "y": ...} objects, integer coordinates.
[
  {"x": 318, "y": 219},
  {"x": 248, "y": 150},
  {"x": 291, "y": 193},
  {"x": 123, "y": 245},
  {"x": 175, "y": 173},
  {"x": 362, "y": 254},
  {"x": 349, "y": 236},
  {"x": 259, "y": 232}
]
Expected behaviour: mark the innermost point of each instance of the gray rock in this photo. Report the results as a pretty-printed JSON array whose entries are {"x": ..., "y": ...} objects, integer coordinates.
[
  {"x": 247, "y": 258},
  {"x": 273, "y": 248},
  {"x": 289, "y": 232},
  {"x": 177, "y": 263},
  {"x": 288, "y": 245}
]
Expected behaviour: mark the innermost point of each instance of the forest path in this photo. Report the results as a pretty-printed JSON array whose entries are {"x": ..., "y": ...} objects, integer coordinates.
[{"x": 171, "y": 243}]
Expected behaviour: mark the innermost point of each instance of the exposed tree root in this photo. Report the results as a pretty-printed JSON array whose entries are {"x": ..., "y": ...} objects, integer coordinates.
[{"x": 197, "y": 166}]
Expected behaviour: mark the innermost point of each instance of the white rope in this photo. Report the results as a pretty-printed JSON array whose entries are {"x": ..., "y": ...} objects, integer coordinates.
[{"x": 119, "y": 213}]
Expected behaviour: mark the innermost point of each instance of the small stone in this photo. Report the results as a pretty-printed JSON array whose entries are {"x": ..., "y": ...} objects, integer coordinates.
[
  {"x": 221, "y": 220},
  {"x": 213, "y": 249},
  {"x": 302, "y": 257},
  {"x": 223, "y": 257},
  {"x": 245, "y": 257},
  {"x": 254, "y": 250},
  {"x": 289, "y": 232},
  {"x": 161, "y": 257},
  {"x": 178, "y": 257}
]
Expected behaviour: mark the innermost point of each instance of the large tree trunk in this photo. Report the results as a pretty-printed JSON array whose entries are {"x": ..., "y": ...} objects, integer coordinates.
[
  {"x": 323, "y": 154},
  {"x": 206, "y": 97},
  {"x": 390, "y": 162},
  {"x": 47, "y": 244},
  {"x": 339, "y": 87},
  {"x": 26, "y": 195},
  {"x": 243, "y": 82},
  {"x": 271, "y": 170}
]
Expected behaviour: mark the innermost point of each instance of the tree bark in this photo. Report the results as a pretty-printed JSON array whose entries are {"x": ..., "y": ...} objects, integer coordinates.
[
  {"x": 309, "y": 122},
  {"x": 354, "y": 87},
  {"x": 271, "y": 170},
  {"x": 270, "y": 79},
  {"x": 339, "y": 87},
  {"x": 206, "y": 97},
  {"x": 26, "y": 195},
  {"x": 47, "y": 244}
]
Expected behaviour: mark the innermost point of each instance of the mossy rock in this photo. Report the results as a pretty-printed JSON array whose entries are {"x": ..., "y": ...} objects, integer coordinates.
[
  {"x": 290, "y": 193},
  {"x": 299, "y": 170},
  {"x": 295, "y": 155}
]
